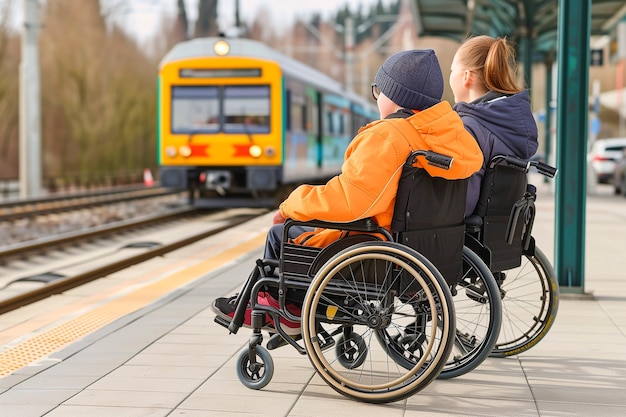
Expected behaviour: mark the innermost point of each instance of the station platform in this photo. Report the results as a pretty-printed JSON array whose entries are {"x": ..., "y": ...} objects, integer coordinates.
[{"x": 168, "y": 358}]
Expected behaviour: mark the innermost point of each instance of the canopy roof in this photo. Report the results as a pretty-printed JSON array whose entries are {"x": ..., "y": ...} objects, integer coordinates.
[{"x": 515, "y": 19}]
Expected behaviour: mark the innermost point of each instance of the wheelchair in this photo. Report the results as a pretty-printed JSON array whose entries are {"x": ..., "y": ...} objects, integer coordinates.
[
  {"x": 500, "y": 232},
  {"x": 378, "y": 319}
]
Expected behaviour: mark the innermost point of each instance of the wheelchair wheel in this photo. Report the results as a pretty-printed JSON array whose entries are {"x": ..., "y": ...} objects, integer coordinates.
[
  {"x": 530, "y": 300},
  {"x": 377, "y": 287},
  {"x": 259, "y": 374},
  {"x": 351, "y": 350},
  {"x": 478, "y": 311}
]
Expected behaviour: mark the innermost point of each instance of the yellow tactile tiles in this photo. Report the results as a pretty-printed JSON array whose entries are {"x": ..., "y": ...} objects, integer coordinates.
[{"x": 41, "y": 345}]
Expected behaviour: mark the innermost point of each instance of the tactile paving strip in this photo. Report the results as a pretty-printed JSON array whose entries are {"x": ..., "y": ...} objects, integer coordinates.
[{"x": 40, "y": 346}]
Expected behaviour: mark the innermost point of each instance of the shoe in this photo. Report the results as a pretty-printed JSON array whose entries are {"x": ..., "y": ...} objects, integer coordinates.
[
  {"x": 225, "y": 307},
  {"x": 290, "y": 327}
]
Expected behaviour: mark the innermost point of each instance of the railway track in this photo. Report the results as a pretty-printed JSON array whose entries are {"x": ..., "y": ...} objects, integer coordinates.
[
  {"x": 32, "y": 207},
  {"x": 29, "y": 220},
  {"x": 48, "y": 243},
  {"x": 49, "y": 283}
]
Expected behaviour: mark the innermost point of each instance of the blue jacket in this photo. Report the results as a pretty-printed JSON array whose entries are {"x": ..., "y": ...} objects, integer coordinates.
[{"x": 502, "y": 125}]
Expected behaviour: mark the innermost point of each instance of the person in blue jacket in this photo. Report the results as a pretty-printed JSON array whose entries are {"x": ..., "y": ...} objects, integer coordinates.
[{"x": 493, "y": 107}]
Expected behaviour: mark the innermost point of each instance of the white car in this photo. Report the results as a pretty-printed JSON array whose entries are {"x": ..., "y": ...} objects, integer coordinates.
[{"x": 603, "y": 155}]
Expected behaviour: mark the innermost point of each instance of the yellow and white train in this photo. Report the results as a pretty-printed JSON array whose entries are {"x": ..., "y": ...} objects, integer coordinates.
[{"x": 240, "y": 124}]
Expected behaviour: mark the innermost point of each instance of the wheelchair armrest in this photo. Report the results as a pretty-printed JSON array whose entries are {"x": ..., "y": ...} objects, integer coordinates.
[
  {"x": 362, "y": 225},
  {"x": 473, "y": 223}
]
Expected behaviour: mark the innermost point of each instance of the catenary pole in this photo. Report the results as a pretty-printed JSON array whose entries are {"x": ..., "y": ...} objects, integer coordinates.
[{"x": 30, "y": 104}]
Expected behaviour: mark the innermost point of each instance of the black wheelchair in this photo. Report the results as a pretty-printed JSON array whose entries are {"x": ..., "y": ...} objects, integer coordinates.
[
  {"x": 500, "y": 232},
  {"x": 378, "y": 319},
  {"x": 512, "y": 312}
]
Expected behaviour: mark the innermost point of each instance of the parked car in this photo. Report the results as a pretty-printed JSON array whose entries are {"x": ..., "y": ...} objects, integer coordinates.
[
  {"x": 619, "y": 175},
  {"x": 603, "y": 155}
]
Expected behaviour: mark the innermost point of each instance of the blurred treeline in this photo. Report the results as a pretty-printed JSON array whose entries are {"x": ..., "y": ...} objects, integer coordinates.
[
  {"x": 97, "y": 95},
  {"x": 98, "y": 86}
]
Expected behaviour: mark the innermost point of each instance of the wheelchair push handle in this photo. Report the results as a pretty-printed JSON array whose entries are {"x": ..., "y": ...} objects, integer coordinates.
[
  {"x": 545, "y": 169},
  {"x": 433, "y": 158},
  {"x": 439, "y": 160},
  {"x": 525, "y": 165}
]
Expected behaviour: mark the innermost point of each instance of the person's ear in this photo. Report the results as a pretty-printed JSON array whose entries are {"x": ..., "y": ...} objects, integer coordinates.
[{"x": 468, "y": 78}]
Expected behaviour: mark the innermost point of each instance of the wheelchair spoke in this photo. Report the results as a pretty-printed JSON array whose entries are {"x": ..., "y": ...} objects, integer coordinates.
[
  {"x": 529, "y": 304},
  {"x": 412, "y": 329}
]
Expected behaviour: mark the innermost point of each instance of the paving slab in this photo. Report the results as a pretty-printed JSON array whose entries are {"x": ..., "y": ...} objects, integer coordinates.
[{"x": 171, "y": 359}]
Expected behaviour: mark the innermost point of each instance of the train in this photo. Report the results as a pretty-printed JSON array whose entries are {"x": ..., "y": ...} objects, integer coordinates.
[{"x": 241, "y": 125}]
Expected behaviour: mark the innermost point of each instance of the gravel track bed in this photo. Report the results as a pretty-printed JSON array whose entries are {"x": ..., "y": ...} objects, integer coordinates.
[{"x": 26, "y": 229}]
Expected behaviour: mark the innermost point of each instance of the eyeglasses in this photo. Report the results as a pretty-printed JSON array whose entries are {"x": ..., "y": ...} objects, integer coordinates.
[{"x": 375, "y": 91}]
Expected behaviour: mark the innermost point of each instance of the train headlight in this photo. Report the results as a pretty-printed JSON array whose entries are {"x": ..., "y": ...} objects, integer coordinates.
[
  {"x": 170, "y": 151},
  {"x": 255, "y": 151},
  {"x": 270, "y": 151},
  {"x": 221, "y": 48},
  {"x": 185, "y": 151}
]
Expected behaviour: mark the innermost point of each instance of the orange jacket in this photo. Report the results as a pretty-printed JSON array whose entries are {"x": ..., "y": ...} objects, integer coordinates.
[{"x": 372, "y": 166}]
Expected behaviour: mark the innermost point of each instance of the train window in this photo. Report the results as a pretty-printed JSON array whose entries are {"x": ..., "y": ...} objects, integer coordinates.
[
  {"x": 335, "y": 123},
  {"x": 297, "y": 117},
  {"x": 247, "y": 109},
  {"x": 195, "y": 109},
  {"x": 312, "y": 117},
  {"x": 329, "y": 123}
]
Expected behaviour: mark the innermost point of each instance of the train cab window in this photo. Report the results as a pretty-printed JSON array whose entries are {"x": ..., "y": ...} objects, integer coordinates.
[
  {"x": 247, "y": 109},
  {"x": 195, "y": 109}
]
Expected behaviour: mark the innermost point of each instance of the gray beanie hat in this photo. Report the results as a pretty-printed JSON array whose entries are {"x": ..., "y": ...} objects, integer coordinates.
[{"x": 411, "y": 79}]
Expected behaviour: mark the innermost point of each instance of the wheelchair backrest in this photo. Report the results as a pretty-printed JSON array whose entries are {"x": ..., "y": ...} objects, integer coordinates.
[
  {"x": 503, "y": 186},
  {"x": 429, "y": 217}
]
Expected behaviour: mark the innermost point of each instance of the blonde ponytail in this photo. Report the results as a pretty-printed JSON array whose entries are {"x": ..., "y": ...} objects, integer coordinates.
[{"x": 493, "y": 61}]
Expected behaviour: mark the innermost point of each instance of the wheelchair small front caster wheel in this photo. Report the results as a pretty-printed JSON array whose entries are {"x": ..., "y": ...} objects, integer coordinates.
[
  {"x": 351, "y": 352},
  {"x": 258, "y": 374}
]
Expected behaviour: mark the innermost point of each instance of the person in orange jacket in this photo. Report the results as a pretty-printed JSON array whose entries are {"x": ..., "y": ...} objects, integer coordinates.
[{"x": 407, "y": 88}]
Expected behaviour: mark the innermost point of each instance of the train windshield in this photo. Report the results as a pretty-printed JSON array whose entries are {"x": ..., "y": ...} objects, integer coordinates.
[
  {"x": 247, "y": 109},
  {"x": 195, "y": 109},
  {"x": 228, "y": 109}
]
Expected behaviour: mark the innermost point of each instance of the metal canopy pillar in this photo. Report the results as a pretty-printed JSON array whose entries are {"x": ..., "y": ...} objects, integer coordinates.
[
  {"x": 574, "y": 28},
  {"x": 529, "y": 36}
]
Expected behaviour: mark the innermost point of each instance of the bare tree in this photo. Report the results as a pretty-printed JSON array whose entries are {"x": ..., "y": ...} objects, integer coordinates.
[
  {"x": 98, "y": 94},
  {"x": 260, "y": 30},
  {"x": 181, "y": 28},
  {"x": 206, "y": 25},
  {"x": 9, "y": 92}
]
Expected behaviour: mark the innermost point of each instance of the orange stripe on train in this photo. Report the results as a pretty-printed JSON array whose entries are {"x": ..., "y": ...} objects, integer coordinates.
[
  {"x": 199, "y": 150},
  {"x": 242, "y": 150}
]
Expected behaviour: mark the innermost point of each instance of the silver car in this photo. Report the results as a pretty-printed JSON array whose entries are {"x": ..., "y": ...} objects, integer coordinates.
[
  {"x": 619, "y": 175},
  {"x": 603, "y": 155}
]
